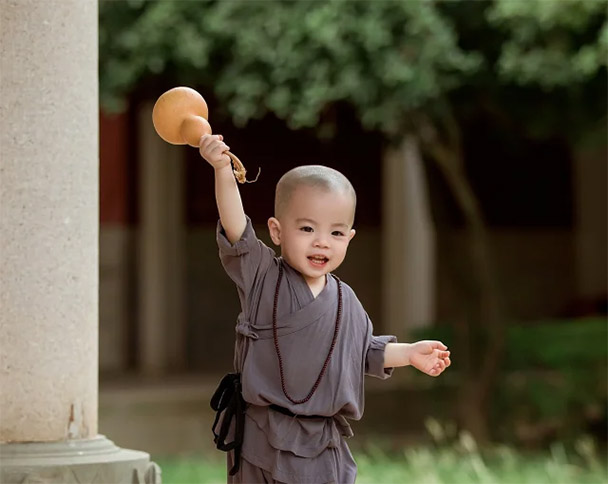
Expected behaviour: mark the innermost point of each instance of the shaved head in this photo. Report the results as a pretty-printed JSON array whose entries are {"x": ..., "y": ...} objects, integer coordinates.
[{"x": 315, "y": 176}]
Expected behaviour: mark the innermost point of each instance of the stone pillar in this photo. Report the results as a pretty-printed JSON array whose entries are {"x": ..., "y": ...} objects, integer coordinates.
[
  {"x": 408, "y": 242},
  {"x": 49, "y": 249},
  {"x": 160, "y": 251}
]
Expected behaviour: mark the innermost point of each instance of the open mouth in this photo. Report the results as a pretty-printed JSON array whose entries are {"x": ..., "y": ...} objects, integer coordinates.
[{"x": 318, "y": 260}]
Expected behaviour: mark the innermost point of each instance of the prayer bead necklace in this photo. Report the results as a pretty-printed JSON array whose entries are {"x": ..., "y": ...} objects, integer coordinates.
[{"x": 276, "y": 340}]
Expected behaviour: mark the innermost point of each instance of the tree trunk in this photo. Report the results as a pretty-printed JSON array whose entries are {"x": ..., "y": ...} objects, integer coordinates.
[
  {"x": 408, "y": 240},
  {"x": 479, "y": 341}
]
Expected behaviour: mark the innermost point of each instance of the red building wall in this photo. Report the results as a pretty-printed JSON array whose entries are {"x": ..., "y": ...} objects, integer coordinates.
[{"x": 114, "y": 170}]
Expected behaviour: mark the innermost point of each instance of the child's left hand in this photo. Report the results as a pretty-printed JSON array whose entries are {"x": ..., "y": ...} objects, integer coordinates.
[{"x": 430, "y": 357}]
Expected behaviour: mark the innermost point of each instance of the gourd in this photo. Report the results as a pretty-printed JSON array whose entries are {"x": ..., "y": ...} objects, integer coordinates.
[{"x": 180, "y": 116}]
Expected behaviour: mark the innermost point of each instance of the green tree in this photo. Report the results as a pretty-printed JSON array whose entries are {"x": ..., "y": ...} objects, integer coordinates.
[
  {"x": 554, "y": 51},
  {"x": 551, "y": 44},
  {"x": 406, "y": 68}
]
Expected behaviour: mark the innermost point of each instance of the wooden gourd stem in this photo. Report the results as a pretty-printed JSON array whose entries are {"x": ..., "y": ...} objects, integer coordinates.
[{"x": 239, "y": 169}]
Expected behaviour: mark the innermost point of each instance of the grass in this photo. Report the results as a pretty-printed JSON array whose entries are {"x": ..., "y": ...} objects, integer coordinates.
[{"x": 460, "y": 463}]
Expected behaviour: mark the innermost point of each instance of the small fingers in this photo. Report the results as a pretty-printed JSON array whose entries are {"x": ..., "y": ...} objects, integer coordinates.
[
  {"x": 438, "y": 345},
  {"x": 436, "y": 370},
  {"x": 440, "y": 366},
  {"x": 213, "y": 149},
  {"x": 218, "y": 147},
  {"x": 206, "y": 139},
  {"x": 441, "y": 354}
]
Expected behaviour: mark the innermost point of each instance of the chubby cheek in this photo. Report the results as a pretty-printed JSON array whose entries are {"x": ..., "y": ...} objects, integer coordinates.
[
  {"x": 340, "y": 255},
  {"x": 295, "y": 248}
]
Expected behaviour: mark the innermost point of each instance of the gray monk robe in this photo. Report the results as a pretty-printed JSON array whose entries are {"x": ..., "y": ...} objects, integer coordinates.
[{"x": 281, "y": 447}]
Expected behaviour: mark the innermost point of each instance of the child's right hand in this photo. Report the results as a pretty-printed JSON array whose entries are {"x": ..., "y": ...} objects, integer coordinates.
[{"x": 213, "y": 149}]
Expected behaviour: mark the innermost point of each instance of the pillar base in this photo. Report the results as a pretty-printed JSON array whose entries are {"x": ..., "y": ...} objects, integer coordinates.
[{"x": 87, "y": 461}]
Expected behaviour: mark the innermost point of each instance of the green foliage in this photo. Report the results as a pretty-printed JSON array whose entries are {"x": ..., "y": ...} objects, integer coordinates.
[
  {"x": 457, "y": 463},
  {"x": 141, "y": 40},
  {"x": 556, "y": 385},
  {"x": 551, "y": 344},
  {"x": 558, "y": 344},
  {"x": 463, "y": 463},
  {"x": 384, "y": 58},
  {"x": 192, "y": 470},
  {"x": 553, "y": 382},
  {"x": 290, "y": 58},
  {"x": 551, "y": 44},
  {"x": 387, "y": 60}
]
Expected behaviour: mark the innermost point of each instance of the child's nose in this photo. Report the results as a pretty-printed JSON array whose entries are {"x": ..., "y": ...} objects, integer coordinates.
[{"x": 321, "y": 241}]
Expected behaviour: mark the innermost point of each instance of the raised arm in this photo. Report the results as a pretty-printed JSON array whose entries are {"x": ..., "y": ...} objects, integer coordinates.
[{"x": 227, "y": 195}]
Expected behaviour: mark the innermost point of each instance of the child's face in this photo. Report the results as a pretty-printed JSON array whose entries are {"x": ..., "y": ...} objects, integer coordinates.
[{"x": 314, "y": 231}]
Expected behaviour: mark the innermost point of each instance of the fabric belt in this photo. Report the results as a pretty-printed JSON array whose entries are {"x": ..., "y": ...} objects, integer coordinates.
[{"x": 289, "y": 413}]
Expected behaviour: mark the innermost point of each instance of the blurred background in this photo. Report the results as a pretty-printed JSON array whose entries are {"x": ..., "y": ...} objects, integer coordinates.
[{"x": 475, "y": 136}]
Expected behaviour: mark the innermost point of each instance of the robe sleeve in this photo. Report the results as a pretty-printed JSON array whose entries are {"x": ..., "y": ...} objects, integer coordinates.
[
  {"x": 244, "y": 260},
  {"x": 374, "y": 359}
]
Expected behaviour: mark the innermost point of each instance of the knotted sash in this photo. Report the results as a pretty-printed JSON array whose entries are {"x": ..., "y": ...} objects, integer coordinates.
[{"x": 228, "y": 398}]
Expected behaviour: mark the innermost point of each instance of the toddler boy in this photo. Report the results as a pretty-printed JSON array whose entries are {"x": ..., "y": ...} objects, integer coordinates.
[{"x": 304, "y": 341}]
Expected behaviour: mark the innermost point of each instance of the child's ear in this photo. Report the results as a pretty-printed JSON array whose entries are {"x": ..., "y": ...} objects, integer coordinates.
[
  {"x": 274, "y": 228},
  {"x": 351, "y": 234}
]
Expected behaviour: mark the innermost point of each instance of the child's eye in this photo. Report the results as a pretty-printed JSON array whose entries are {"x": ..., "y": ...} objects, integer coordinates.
[
  {"x": 306, "y": 229},
  {"x": 337, "y": 233}
]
